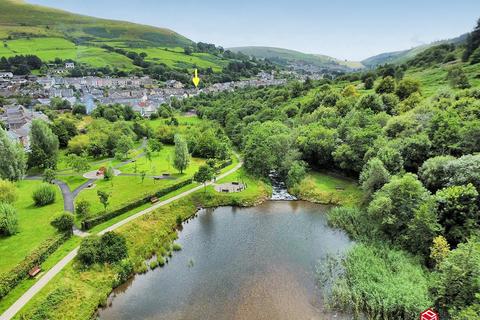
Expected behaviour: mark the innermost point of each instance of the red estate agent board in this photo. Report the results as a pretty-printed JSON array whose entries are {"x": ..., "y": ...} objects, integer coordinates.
[{"x": 429, "y": 314}]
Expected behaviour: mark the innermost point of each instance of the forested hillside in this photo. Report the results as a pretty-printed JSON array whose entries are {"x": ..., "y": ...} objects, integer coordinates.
[{"x": 411, "y": 134}]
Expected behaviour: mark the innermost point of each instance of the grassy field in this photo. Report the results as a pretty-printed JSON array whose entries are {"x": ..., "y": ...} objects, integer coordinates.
[
  {"x": 48, "y": 49},
  {"x": 327, "y": 188},
  {"x": 83, "y": 290},
  {"x": 34, "y": 225}
]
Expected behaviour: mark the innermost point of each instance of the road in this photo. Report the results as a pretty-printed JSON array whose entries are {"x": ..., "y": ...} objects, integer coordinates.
[{"x": 42, "y": 282}]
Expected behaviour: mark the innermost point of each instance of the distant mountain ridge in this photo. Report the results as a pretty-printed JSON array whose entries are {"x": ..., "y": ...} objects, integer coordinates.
[
  {"x": 285, "y": 56},
  {"x": 404, "y": 55}
]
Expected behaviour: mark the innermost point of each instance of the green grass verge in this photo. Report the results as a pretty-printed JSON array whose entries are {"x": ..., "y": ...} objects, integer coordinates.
[
  {"x": 34, "y": 225},
  {"x": 327, "y": 188}
]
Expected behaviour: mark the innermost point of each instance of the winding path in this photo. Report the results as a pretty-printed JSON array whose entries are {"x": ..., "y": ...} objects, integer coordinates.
[{"x": 50, "y": 274}]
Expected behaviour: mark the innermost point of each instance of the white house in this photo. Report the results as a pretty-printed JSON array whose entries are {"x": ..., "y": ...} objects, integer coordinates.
[
  {"x": 69, "y": 65},
  {"x": 6, "y": 75}
]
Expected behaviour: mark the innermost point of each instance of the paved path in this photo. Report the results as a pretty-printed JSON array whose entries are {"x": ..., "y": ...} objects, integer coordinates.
[{"x": 42, "y": 282}]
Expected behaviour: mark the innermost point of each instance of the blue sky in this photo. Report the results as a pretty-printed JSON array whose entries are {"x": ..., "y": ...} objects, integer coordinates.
[{"x": 345, "y": 29}]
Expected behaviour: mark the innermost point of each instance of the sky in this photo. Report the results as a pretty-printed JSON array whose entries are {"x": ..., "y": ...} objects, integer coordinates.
[{"x": 344, "y": 29}]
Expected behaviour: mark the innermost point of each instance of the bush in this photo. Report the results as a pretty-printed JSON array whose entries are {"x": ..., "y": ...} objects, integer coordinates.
[
  {"x": 109, "y": 248},
  {"x": 161, "y": 261},
  {"x": 8, "y": 191},
  {"x": 82, "y": 208},
  {"x": 176, "y": 247},
  {"x": 8, "y": 219},
  {"x": 64, "y": 222},
  {"x": 44, "y": 195},
  {"x": 352, "y": 220}
]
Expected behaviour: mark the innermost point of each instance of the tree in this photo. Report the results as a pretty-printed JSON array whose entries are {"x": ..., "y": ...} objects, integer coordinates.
[
  {"x": 373, "y": 177},
  {"x": 439, "y": 250},
  {"x": 181, "y": 158},
  {"x": 109, "y": 174},
  {"x": 370, "y": 101},
  {"x": 113, "y": 247},
  {"x": 12, "y": 159},
  {"x": 8, "y": 192},
  {"x": 475, "y": 58},
  {"x": 43, "y": 145},
  {"x": 458, "y": 212},
  {"x": 44, "y": 195},
  {"x": 407, "y": 87},
  {"x": 64, "y": 222},
  {"x": 155, "y": 145},
  {"x": 79, "y": 109},
  {"x": 457, "y": 78},
  {"x": 8, "y": 219},
  {"x": 104, "y": 197},
  {"x": 386, "y": 85},
  {"x": 296, "y": 173},
  {"x": 79, "y": 164},
  {"x": 203, "y": 175},
  {"x": 433, "y": 172},
  {"x": 124, "y": 145},
  {"x": 395, "y": 207},
  {"x": 473, "y": 42},
  {"x": 458, "y": 277},
  {"x": 49, "y": 175},
  {"x": 65, "y": 129},
  {"x": 350, "y": 91},
  {"x": 82, "y": 208},
  {"x": 143, "y": 173}
]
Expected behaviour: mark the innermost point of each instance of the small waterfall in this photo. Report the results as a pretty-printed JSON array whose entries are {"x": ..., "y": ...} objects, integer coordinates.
[{"x": 279, "y": 189}]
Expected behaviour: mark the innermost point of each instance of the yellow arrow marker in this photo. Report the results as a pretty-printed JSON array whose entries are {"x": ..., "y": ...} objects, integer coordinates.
[{"x": 196, "y": 79}]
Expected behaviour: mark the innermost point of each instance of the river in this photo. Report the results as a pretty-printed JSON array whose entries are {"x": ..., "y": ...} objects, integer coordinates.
[{"x": 237, "y": 263}]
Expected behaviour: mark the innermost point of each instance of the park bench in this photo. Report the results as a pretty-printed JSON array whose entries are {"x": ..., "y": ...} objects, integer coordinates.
[
  {"x": 235, "y": 183},
  {"x": 225, "y": 190},
  {"x": 339, "y": 188},
  {"x": 157, "y": 178},
  {"x": 166, "y": 174},
  {"x": 153, "y": 200},
  {"x": 35, "y": 270}
]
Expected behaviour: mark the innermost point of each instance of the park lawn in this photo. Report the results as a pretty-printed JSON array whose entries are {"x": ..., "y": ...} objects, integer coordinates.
[
  {"x": 34, "y": 225},
  {"x": 123, "y": 190},
  {"x": 161, "y": 163},
  {"x": 328, "y": 188},
  {"x": 83, "y": 290},
  {"x": 73, "y": 181}
]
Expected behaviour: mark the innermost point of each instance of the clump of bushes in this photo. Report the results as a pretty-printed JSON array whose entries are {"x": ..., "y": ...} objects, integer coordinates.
[
  {"x": 8, "y": 219},
  {"x": 8, "y": 192},
  {"x": 64, "y": 222},
  {"x": 44, "y": 195},
  {"x": 108, "y": 248}
]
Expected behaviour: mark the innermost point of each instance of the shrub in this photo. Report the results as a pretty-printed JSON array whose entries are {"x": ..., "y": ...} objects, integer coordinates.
[
  {"x": 161, "y": 261},
  {"x": 109, "y": 248},
  {"x": 8, "y": 219},
  {"x": 8, "y": 191},
  {"x": 64, "y": 222},
  {"x": 49, "y": 175},
  {"x": 82, "y": 208},
  {"x": 153, "y": 264},
  {"x": 352, "y": 220},
  {"x": 177, "y": 247},
  {"x": 44, "y": 195},
  {"x": 179, "y": 220}
]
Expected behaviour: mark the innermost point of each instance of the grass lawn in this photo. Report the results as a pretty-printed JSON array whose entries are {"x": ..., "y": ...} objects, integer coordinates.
[
  {"x": 327, "y": 188},
  {"x": 34, "y": 225},
  {"x": 52, "y": 260}
]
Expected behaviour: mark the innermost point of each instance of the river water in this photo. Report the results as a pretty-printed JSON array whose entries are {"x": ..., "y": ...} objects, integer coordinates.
[{"x": 238, "y": 263}]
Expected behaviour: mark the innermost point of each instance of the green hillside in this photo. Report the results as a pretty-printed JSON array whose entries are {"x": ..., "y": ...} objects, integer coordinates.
[
  {"x": 284, "y": 56},
  {"x": 51, "y": 33},
  {"x": 397, "y": 57}
]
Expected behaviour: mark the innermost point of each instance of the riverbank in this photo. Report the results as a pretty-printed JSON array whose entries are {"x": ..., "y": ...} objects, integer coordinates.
[
  {"x": 75, "y": 293},
  {"x": 328, "y": 188}
]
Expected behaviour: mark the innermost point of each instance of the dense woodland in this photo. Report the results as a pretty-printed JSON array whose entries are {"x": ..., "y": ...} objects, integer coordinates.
[{"x": 416, "y": 158}]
